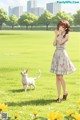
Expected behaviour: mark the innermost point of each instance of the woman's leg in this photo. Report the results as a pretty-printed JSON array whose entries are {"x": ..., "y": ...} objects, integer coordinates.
[
  {"x": 58, "y": 84},
  {"x": 63, "y": 83}
]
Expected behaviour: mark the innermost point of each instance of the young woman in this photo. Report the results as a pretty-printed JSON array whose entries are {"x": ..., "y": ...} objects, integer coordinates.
[{"x": 61, "y": 64}]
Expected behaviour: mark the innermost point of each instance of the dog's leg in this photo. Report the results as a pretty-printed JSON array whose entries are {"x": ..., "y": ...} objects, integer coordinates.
[
  {"x": 25, "y": 87},
  {"x": 30, "y": 87},
  {"x": 34, "y": 86}
]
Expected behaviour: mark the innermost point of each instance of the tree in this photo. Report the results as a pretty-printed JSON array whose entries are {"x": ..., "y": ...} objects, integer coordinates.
[
  {"x": 77, "y": 18},
  {"x": 13, "y": 20},
  {"x": 45, "y": 19},
  {"x": 27, "y": 19},
  {"x": 61, "y": 15},
  {"x": 3, "y": 17}
]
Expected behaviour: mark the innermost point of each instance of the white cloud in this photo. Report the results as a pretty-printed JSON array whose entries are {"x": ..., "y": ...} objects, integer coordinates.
[
  {"x": 42, "y": 3},
  {"x": 6, "y": 3},
  {"x": 16, "y": 2},
  {"x": 10, "y": 2},
  {"x": 2, "y": 5}
]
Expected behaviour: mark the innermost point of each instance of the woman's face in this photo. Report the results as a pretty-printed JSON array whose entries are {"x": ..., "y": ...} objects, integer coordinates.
[{"x": 62, "y": 29}]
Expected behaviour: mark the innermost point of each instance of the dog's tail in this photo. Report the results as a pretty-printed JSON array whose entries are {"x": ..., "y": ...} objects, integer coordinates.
[{"x": 38, "y": 75}]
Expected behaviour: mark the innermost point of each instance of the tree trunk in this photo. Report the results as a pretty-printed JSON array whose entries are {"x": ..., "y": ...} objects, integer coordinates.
[
  {"x": 26, "y": 27},
  {"x": 0, "y": 27},
  {"x": 46, "y": 27},
  {"x": 12, "y": 27},
  {"x": 31, "y": 27}
]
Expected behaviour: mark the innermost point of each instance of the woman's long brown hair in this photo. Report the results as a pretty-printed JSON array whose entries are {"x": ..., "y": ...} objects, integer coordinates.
[{"x": 65, "y": 24}]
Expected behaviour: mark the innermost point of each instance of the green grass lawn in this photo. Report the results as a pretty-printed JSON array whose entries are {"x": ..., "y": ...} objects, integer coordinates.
[{"x": 33, "y": 50}]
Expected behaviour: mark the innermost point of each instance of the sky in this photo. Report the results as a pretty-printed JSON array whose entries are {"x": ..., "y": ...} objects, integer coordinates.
[{"x": 69, "y": 8}]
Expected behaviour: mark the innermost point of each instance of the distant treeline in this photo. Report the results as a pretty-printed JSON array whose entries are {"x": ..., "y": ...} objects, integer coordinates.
[
  {"x": 50, "y": 28},
  {"x": 46, "y": 21}
]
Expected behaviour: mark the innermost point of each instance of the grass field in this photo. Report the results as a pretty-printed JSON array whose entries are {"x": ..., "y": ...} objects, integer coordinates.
[{"x": 33, "y": 50}]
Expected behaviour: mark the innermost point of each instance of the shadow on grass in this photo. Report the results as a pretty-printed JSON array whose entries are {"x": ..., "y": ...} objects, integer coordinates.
[
  {"x": 76, "y": 60},
  {"x": 18, "y": 90},
  {"x": 32, "y": 102},
  {"x": 8, "y": 34}
]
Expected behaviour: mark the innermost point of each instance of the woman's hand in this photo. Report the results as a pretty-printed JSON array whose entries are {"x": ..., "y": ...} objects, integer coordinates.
[
  {"x": 62, "y": 41},
  {"x": 57, "y": 32}
]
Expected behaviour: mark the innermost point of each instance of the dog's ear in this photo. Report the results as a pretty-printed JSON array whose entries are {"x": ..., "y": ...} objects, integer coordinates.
[
  {"x": 26, "y": 70},
  {"x": 21, "y": 73}
]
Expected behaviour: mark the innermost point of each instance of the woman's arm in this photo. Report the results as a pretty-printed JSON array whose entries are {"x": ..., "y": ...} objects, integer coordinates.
[
  {"x": 64, "y": 39},
  {"x": 54, "y": 42},
  {"x": 56, "y": 34}
]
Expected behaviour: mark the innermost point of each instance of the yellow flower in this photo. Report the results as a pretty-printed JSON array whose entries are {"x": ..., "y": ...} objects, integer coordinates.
[
  {"x": 76, "y": 116},
  {"x": 16, "y": 116},
  {"x": 3, "y": 107},
  {"x": 78, "y": 102},
  {"x": 55, "y": 116},
  {"x": 35, "y": 113},
  {"x": 69, "y": 112}
]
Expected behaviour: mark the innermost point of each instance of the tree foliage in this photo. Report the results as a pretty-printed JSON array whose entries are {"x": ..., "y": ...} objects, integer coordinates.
[
  {"x": 3, "y": 17},
  {"x": 27, "y": 19},
  {"x": 45, "y": 19},
  {"x": 77, "y": 18},
  {"x": 13, "y": 20},
  {"x": 61, "y": 15}
]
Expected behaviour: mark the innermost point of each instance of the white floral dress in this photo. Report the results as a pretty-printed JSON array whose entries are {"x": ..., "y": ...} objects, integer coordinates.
[{"x": 61, "y": 63}]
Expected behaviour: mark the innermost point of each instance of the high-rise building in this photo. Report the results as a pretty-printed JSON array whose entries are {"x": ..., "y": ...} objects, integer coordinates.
[
  {"x": 32, "y": 8},
  {"x": 53, "y": 7},
  {"x": 18, "y": 11},
  {"x": 31, "y": 4},
  {"x": 37, "y": 11},
  {"x": 10, "y": 10}
]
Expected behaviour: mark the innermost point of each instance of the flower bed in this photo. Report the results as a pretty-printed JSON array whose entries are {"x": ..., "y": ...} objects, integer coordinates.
[{"x": 54, "y": 115}]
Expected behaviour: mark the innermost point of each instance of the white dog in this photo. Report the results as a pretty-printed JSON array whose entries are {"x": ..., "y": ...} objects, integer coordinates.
[{"x": 27, "y": 81}]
